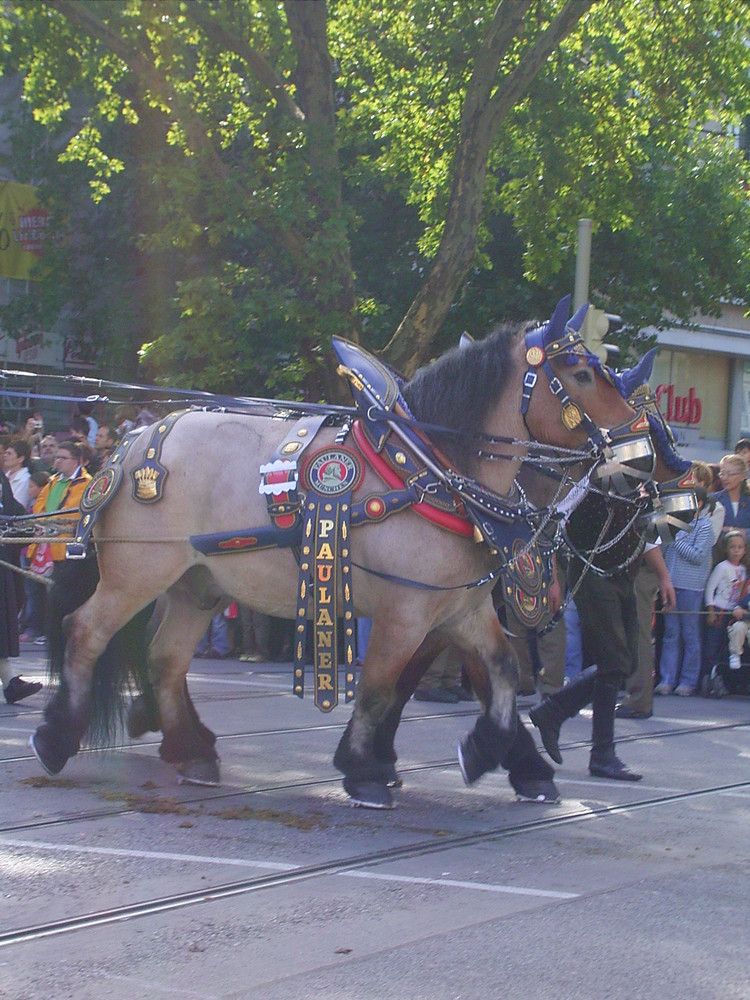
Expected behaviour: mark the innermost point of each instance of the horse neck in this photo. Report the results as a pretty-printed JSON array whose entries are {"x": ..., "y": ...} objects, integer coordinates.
[
  {"x": 543, "y": 489},
  {"x": 504, "y": 420}
]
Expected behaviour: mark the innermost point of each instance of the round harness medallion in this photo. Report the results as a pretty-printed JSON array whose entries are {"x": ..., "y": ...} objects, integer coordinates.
[
  {"x": 534, "y": 356},
  {"x": 101, "y": 488},
  {"x": 333, "y": 471}
]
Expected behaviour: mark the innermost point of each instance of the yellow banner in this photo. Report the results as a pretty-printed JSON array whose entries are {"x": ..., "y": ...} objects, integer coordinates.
[{"x": 23, "y": 229}]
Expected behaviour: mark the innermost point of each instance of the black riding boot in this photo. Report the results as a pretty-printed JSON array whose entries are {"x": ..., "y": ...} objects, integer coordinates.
[
  {"x": 604, "y": 762},
  {"x": 549, "y": 715}
]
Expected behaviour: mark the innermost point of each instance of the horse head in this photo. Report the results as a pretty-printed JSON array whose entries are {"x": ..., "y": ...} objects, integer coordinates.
[
  {"x": 616, "y": 413},
  {"x": 583, "y": 404}
]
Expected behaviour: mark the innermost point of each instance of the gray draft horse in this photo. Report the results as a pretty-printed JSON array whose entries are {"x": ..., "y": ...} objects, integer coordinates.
[{"x": 213, "y": 461}]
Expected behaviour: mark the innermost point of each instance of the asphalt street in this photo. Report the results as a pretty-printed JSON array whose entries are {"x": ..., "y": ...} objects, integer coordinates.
[{"x": 118, "y": 882}]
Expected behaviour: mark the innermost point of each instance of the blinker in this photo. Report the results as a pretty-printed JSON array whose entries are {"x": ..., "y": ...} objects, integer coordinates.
[
  {"x": 628, "y": 463},
  {"x": 670, "y": 514}
]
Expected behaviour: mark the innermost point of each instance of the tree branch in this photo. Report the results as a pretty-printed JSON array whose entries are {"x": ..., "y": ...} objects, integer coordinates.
[
  {"x": 264, "y": 73},
  {"x": 515, "y": 84},
  {"x": 481, "y": 117},
  {"x": 83, "y": 17},
  {"x": 145, "y": 72},
  {"x": 506, "y": 23}
]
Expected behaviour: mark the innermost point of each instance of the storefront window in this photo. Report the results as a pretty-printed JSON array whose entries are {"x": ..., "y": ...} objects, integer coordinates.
[{"x": 693, "y": 393}]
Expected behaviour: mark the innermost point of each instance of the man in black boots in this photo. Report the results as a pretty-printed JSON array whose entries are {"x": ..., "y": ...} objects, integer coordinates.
[{"x": 609, "y": 629}]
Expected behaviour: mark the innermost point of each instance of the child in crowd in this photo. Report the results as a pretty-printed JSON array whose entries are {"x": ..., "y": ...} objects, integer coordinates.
[
  {"x": 735, "y": 679},
  {"x": 688, "y": 560},
  {"x": 723, "y": 592}
]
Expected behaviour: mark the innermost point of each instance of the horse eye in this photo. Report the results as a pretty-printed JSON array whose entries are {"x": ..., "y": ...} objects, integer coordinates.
[{"x": 584, "y": 377}]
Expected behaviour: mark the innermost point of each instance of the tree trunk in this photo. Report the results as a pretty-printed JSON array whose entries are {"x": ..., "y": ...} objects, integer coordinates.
[
  {"x": 313, "y": 79},
  {"x": 487, "y": 103}
]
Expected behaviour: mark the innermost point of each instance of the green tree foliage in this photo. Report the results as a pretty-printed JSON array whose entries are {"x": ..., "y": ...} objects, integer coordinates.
[{"x": 237, "y": 181}]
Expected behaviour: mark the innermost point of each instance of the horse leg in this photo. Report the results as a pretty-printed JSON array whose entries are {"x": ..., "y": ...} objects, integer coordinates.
[
  {"x": 528, "y": 772},
  {"x": 392, "y": 643},
  {"x": 87, "y": 633},
  {"x": 384, "y": 748},
  {"x": 493, "y": 670},
  {"x": 186, "y": 743}
]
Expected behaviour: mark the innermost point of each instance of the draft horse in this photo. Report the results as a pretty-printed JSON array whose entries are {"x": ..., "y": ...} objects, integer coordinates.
[{"x": 420, "y": 584}]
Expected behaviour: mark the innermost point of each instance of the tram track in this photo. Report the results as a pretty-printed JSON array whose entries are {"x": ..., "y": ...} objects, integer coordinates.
[
  {"x": 276, "y": 880},
  {"x": 218, "y": 796}
]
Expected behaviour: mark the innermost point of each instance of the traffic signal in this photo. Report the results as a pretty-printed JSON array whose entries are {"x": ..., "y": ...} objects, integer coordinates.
[{"x": 595, "y": 328}]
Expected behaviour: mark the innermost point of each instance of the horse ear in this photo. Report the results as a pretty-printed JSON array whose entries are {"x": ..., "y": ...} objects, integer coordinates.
[
  {"x": 465, "y": 340},
  {"x": 576, "y": 321},
  {"x": 632, "y": 378},
  {"x": 556, "y": 326}
]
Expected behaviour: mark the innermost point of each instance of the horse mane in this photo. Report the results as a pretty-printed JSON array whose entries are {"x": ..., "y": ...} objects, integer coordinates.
[{"x": 458, "y": 388}]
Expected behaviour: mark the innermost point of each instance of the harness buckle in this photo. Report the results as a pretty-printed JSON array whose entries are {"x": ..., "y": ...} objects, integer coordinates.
[
  {"x": 529, "y": 380},
  {"x": 423, "y": 491},
  {"x": 556, "y": 385}
]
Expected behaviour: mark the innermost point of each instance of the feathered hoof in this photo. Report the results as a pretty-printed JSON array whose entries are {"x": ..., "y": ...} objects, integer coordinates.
[
  {"x": 47, "y": 750},
  {"x": 199, "y": 772},
  {"x": 142, "y": 718},
  {"x": 368, "y": 794},
  {"x": 471, "y": 760},
  {"x": 536, "y": 790}
]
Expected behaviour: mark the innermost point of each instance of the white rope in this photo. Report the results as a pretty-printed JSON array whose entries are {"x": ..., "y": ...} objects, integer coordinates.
[
  {"x": 36, "y": 577},
  {"x": 62, "y": 539}
]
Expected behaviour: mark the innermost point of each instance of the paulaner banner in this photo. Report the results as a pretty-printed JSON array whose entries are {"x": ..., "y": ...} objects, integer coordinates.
[{"x": 23, "y": 229}]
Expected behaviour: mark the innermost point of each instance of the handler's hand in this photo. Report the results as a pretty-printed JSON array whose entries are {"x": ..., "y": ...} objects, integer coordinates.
[{"x": 668, "y": 596}]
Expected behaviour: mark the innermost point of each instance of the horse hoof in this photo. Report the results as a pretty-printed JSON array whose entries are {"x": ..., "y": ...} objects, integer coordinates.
[
  {"x": 392, "y": 778},
  {"x": 471, "y": 763},
  {"x": 52, "y": 761},
  {"x": 198, "y": 772},
  {"x": 141, "y": 718},
  {"x": 368, "y": 794},
  {"x": 535, "y": 790}
]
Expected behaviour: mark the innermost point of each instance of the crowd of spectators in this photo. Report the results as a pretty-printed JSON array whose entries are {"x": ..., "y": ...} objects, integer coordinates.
[{"x": 699, "y": 647}]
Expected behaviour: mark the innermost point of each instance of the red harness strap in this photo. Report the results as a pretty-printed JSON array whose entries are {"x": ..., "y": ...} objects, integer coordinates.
[{"x": 457, "y": 523}]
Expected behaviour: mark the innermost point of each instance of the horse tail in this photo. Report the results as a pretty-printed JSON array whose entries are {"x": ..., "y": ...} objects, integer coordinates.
[{"x": 120, "y": 670}]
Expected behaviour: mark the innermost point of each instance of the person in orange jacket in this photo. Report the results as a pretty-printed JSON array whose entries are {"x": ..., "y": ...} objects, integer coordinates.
[
  {"x": 62, "y": 492},
  {"x": 70, "y": 578}
]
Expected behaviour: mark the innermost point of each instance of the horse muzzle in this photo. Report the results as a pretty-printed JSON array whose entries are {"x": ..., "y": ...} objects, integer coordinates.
[{"x": 627, "y": 464}]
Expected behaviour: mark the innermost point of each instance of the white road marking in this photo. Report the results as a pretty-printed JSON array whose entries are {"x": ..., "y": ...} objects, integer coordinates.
[
  {"x": 601, "y": 783},
  {"x": 155, "y": 855},
  {"x": 148, "y": 987},
  {"x": 456, "y": 884},
  {"x": 201, "y": 678},
  {"x": 41, "y": 845}
]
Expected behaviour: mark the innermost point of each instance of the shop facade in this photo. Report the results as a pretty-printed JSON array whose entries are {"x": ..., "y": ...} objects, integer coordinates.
[{"x": 701, "y": 378}]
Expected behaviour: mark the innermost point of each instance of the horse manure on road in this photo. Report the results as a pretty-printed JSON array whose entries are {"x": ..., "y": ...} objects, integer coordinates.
[
  {"x": 42, "y": 781},
  {"x": 309, "y": 822},
  {"x": 144, "y": 804}
]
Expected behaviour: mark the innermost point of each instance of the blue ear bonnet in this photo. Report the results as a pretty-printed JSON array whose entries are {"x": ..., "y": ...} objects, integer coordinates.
[
  {"x": 562, "y": 339},
  {"x": 629, "y": 382},
  {"x": 561, "y": 336},
  {"x": 633, "y": 378}
]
